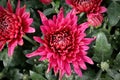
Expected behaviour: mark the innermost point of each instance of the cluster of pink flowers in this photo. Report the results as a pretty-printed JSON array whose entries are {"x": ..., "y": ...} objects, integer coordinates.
[{"x": 64, "y": 42}]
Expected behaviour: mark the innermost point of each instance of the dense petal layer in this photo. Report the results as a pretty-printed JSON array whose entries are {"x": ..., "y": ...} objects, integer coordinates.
[
  {"x": 11, "y": 47},
  {"x": 64, "y": 43},
  {"x": 13, "y": 26}
]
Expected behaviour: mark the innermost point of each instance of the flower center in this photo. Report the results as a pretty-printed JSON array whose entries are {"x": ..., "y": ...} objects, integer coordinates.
[
  {"x": 61, "y": 42},
  {"x": 3, "y": 23}
]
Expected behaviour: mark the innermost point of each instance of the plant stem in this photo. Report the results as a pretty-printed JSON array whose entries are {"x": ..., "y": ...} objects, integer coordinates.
[
  {"x": 30, "y": 40},
  {"x": 98, "y": 75}
]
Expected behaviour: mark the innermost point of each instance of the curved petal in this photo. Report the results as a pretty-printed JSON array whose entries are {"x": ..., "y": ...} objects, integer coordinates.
[
  {"x": 67, "y": 68},
  {"x": 88, "y": 60},
  {"x": 82, "y": 65},
  {"x": 77, "y": 69},
  {"x": 43, "y": 18},
  {"x": 82, "y": 27},
  {"x": 20, "y": 42},
  {"x": 9, "y": 6},
  {"x": 38, "y": 39},
  {"x": 11, "y": 47},
  {"x": 36, "y": 52},
  {"x": 2, "y": 45},
  {"x": 30, "y": 30},
  {"x": 69, "y": 2},
  {"x": 103, "y": 9}
]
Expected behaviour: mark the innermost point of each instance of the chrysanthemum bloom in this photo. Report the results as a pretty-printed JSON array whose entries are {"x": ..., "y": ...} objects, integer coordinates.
[
  {"x": 46, "y": 1},
  {"x": 91, "y": 7},
  {"x": 13, "y": 25},
  {"x": 64, "y": 43}
]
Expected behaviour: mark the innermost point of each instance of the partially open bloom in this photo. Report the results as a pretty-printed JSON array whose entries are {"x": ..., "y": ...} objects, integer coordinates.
[
  {"x": 95, "y": 19},
  {"x": 91, "y": 7},
  {"x": 13, "y": 25},
  {"x": 64, "y": 43},
  {"x": 46, "y": 1}
]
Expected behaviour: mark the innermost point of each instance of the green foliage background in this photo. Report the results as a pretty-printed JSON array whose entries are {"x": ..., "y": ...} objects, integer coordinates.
[{"x": 105, "y": 50}]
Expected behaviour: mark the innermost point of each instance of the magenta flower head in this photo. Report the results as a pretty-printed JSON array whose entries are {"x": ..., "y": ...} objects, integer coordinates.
[
  {"x": 64, "y": 44},
  {"x": 13, "y": 25},
  {"x": 46, "y": 1},
  {"x": 84, "y": 5},
  {"x": 91, "y": 7}
]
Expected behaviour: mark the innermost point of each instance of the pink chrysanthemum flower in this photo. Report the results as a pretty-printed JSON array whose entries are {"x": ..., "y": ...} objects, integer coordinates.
[
  {"x": 13, "y": 25},
  {"x": 46, "y": 1},
  {"x": 64, "y": 44},
  {"x": 91, "y": 7},
  {"x": 84, "y": 5}
]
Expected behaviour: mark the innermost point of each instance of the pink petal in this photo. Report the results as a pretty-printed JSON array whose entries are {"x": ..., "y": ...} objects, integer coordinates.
[
  {"x": 25, "y": 15},
  {"x": 83, "y": 26},
  {"x": 103, "y": 9},
  {"x": 1, "y": 8},
  {"x": 56, "y": 69},
  {"x": 69, "y": 2},
  {"x": 2, "y": 45},
  {"x": 87, "y": 41},
  {"x": 49, "y": 55},
  {"x": 84, "y": 47},
  {"x": 43, "y": 18},
  {"x": 38, "y": 39},
  {"x": 82, "y": 65},
  {"x": 42, "y": 58},
  {"x": 60, "y": 16},
  {"x": 11, "y": 47},
  {"x": 18, "y": 7},
  {"x": 49, "y": 67},
  {"x": 9, "y": 7},
  {"x": 20, "y": 42},
  {"x": 77, "y": 69},
  {"x": 30, "y": 30},
  {"x": 88, "y": 60},
  {"x": 18, "y": 4},
  {"x": 61, "y": 73},
  {"x": 54, "y": 18},
  {"x": 37, "y": 52},
  {"x": 67, "y": 68},
  {"x": 44, "y": 29}
]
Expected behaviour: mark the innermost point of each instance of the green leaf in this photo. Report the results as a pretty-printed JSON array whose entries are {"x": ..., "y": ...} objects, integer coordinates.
[
  {"x": 50, "y": 76},
  {"x": 102, "y": 48},
  {"x": 15, "y": 74},
  {"x": 36, "y": 76},
  {"x": 41, "y": 68},
  {"x": 117, "y": 77},
  {"x": 118, "y": 58},
  {"x": 14, "y": 59},
  {"x": 48, "y": 11},
  {"x": 117, "y": 62},
  {"x": 114, "y": 13},
  {"x": 3, "y": 3},
  {"x": 111, "y": 72},
  {"x": 4, "y": 57},
  {"x": 114, "y": 74}
]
